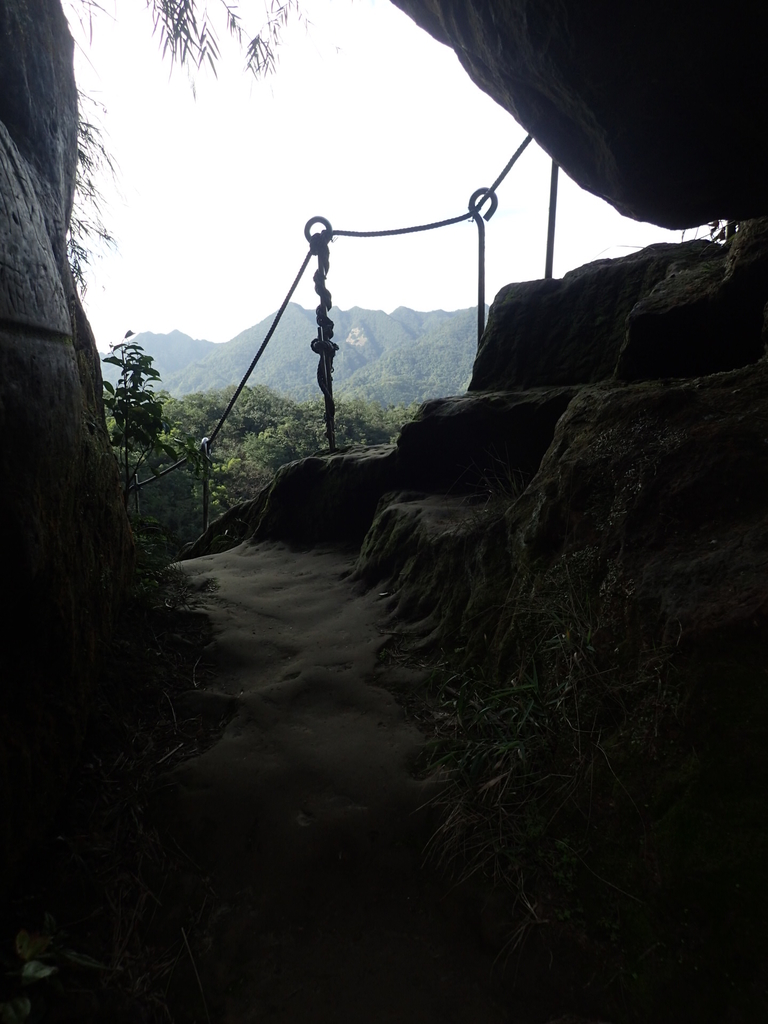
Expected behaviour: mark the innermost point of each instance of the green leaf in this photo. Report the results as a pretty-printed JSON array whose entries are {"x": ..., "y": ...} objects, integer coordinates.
[
  {"x": 29, "y": 946},
  {"x": 16, "y": 1011},
  {"x": 36, "y": 970}
]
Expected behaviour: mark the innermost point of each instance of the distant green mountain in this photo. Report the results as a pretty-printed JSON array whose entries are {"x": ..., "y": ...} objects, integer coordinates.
[
  {"x": 171, "y": 353},
  {"x": 437, "y": 363},
  {"x": 404, "y": 356}
]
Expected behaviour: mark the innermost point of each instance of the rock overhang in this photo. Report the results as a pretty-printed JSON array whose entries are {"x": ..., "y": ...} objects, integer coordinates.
[{"x": 631, "y": 102}]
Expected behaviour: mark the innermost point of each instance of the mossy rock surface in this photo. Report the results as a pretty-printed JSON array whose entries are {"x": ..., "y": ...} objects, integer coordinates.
[{"x": 631, "y": 573}]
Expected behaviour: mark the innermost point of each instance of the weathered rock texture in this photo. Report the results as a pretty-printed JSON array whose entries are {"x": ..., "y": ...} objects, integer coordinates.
[
  {"x": 571, "y": 330},
  {"x": 704, "y": 317},
  {"x": 659, "y": 109},
  {"x": 667, "y": 311},
  {"x": 597, "y": 533},
  {"x": 68, "y": 546},
  {"x": 633, "y": 573}
]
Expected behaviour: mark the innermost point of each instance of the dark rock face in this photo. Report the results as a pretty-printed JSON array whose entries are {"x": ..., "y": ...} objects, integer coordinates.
[
  {"x": 68, "y": 546},
  {"x": 672, "y": 482},
  {"x": 571, "y": 330},
  {"x": 667, "y": 311},
  {"x": 702, "y": 318},
  {"x": 320, "y": 498},
  {"x": 629, "y": 101},
  {"x": 645, "y": 532},
  {"x": 480, "y": 441},
  {"x": 38, "y": 103},
  {"x": 346, "y": 488}
]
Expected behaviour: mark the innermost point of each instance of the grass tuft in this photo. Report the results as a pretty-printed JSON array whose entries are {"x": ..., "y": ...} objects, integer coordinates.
[{"x": 516, "y": 740}]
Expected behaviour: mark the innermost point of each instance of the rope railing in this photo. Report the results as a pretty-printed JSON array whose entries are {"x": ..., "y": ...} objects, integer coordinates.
[
  {"x": 486, "y": 192},
  {"x": 323, "y": 344}
]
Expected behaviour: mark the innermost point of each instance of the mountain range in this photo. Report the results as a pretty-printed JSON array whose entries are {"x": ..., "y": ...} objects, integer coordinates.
[{"x": 392, "y": 358}]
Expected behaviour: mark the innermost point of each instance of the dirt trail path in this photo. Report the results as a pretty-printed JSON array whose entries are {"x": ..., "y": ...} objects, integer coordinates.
[{"x": 306, "y": 818}]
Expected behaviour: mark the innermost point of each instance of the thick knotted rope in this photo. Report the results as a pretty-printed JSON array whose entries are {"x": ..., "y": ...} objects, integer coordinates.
[{"x": 323, "y": 345}]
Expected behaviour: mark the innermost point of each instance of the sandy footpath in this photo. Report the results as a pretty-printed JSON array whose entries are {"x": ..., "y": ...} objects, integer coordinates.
[{"x": 306, "y": 818}]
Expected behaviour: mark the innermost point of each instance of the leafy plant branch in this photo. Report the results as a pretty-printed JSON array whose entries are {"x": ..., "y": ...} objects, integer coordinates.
[
  {"x": 87, "y": 226},
  {"x": 39, "y": 958},
  {"x": 188, "y": 35},
  {"x": 136, "y": 424}
]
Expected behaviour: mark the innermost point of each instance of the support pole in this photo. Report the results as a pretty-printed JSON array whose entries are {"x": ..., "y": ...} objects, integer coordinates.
[
  {"x": 476, "y": 200},
  {"x": 551, "y": 225},
  {"x": 480, "y": 278},
  {"x": 205, "y": 498},
  {"x": 205, "y": 449}
]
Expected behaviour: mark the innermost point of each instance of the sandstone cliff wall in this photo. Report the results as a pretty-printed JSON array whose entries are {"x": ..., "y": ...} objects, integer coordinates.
[{"x": 68, "y": 550}]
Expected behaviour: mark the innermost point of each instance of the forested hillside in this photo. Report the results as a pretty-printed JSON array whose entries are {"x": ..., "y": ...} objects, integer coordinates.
[
  {"x": 437, "y": 364},
  {"x": 391, "y": 358},
  {"x": 263, "y": 431}
]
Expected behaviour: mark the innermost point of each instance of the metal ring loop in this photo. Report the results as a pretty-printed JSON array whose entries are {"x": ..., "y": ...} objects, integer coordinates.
[
  {"x": 317, "y": 220},
  {"x": 485, "y": 193}
]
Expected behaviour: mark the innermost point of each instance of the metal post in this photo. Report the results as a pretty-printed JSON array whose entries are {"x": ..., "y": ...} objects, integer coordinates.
[
  {"x": 476, "y": 200},
  {"x": 205, "y": 497},
  {"x": 205, "y": 448},
  {"x": 480, "y": 278},
  {"x": 551, "y": 225}
]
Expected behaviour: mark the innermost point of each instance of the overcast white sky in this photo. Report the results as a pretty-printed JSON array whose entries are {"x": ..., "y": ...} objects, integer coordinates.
[{"x": 368, "y": 122}]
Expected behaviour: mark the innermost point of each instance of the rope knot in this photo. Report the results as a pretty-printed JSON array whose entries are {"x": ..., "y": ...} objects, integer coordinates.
[{"x": 318, "y": 245}]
